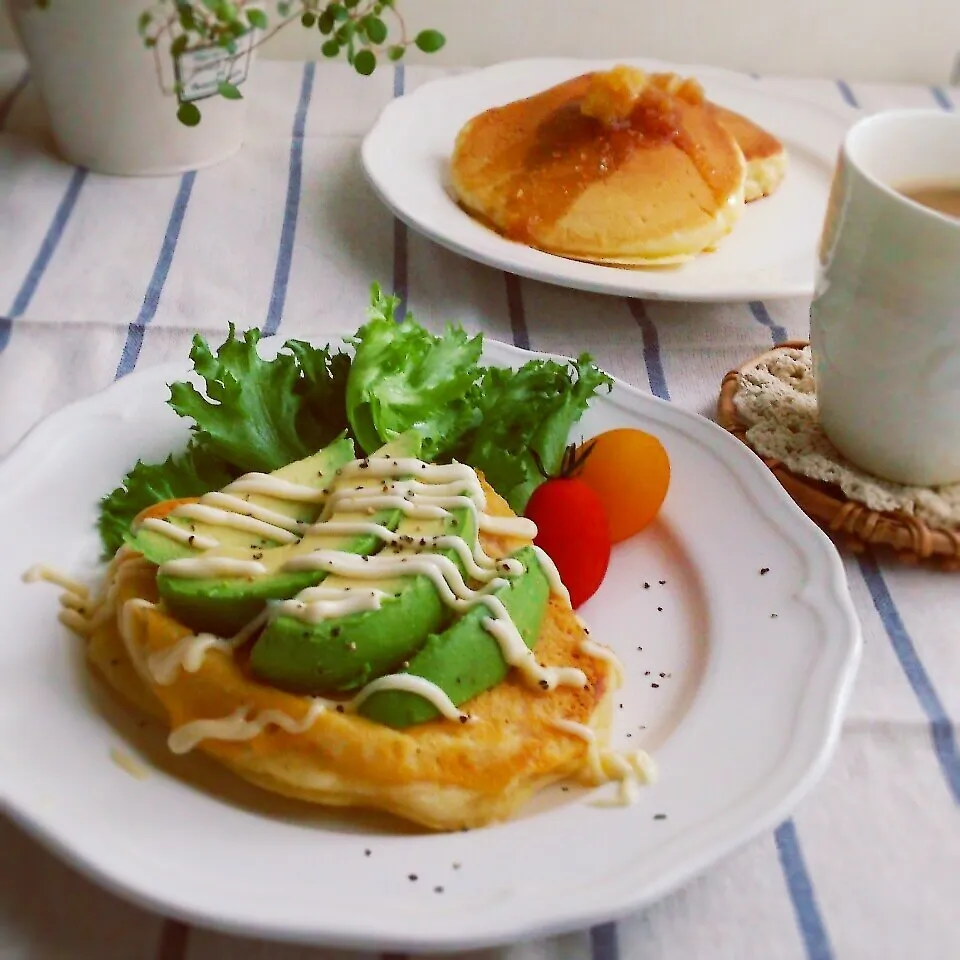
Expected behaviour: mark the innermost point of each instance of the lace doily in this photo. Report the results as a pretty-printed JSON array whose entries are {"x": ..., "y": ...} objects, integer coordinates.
[{"x": 777, "y": 401}]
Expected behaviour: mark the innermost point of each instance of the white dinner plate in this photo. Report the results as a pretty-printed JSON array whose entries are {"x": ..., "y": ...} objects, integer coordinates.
[
  {"x": 770, "y": 253},
  {"x": 736, "y": 681}
]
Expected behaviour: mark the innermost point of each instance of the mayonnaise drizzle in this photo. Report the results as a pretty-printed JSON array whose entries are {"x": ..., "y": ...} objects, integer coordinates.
[
  {"x": 226, "y": 518},
  {"x": 411, "y": 684},
  {"x": 600, "y": 652},
  {"x": 276, "y": 487},
  {"x": 442, "y": 572},
  {"x": 316, "y": 604},
  {"x": 189, "y": 653},
  {"x": 197, "y": 568},
  {"x": 519, "y": 527},
  {"x": 553, "y": 575},
  {"x": 180, "y": 534},
  {"x": 245, "y": 508},
  {"x": 236, "y": 727},
  {"x": 629, "y": 769},
  {"x": 518, "y": 654},
  {"x": 129, "y": 639},
  {"x": 41, "y": 571}
]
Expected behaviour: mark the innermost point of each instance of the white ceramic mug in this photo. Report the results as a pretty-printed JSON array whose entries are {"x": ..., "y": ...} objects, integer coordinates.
[{"x": 885, "y": 322}]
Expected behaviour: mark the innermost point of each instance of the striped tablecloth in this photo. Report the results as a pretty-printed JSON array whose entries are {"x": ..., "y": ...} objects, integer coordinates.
[{"x": 100, "y": 275}]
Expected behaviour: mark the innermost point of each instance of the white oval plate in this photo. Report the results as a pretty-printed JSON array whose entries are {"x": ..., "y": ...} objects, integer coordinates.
[
  {"x": 742, "y": 722},
  {"x": 770, "y": 253}
]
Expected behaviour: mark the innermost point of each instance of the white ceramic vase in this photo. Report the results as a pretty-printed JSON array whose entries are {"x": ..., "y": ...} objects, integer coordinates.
[{"x": 111, "y": 100}]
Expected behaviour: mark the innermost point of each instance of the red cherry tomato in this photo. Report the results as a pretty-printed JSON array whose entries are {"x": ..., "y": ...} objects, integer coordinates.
[{"x": 573, "y": 530}]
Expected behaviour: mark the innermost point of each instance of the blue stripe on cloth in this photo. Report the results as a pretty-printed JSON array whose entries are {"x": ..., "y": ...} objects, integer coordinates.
[
  {"x": 44, "y": 255},
  {"x": 288, "y": 232},
  {"x": 939, "y": 94},
  {"x": 7, "y": 106},
  {"x": 800, "y": 887},
  {"x": 400, "y": 235},
  {"x": 151, "y": 299},
  {"x": 604, "y": 943},
  {"x": 518, "y": 318},
  {"x": 762, "y": 316},
  {"x": 847, "y": 94},
  {"x": 941, "y": 728},
  {"x": 651, "y": 350}
]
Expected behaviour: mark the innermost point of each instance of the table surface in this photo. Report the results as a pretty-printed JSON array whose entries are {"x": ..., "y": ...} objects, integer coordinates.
[{"x": 101, "y": 275}]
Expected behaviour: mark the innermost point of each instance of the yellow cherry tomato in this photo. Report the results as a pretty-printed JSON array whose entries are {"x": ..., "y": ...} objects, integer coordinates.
[{"x": 629, "y": 470}]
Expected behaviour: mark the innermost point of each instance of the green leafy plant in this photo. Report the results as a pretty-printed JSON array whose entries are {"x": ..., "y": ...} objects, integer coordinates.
[{"x": 210, "y": 41}]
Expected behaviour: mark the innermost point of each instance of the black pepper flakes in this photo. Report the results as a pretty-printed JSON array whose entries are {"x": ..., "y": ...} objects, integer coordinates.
[
  {"x": 654, "y": 685},
  {"x": 190, "y": 539},
  {"x": 544, "y": 685},
  {"x": 367, "y": 852},
  {"x": 463, "y": 718},
  {"x": 773, "y": 616},
  {"x": 438, "y": 889},
  {"x": 662, "y": 675},
  {"x": 565, "y": 789},
  {"x": 335, "y": 632},
  {"x": 764, "y": 571},
  {"x": 340, "y": 708},
  {"x": 646, "y": 673},
  {"x": 659, "y": 609},
  {"x": 456, "y": 865},
  {"x": 646, "y": 586},
  {"x": 659, "y": 816},
  {"x": 412, "y": 877},
  {"x": 629, "y": 734},
  {"x": 662, "y": 583}
]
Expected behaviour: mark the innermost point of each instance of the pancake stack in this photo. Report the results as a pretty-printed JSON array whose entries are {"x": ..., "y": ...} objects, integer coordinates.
[{"x": 618, "y": 167}]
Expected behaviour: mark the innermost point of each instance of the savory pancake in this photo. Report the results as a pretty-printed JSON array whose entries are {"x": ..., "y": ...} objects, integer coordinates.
[
  {"x": 442, "y": 774},
  {"x": 765, "y": 155},
  {"x": 617, "y": 167}
]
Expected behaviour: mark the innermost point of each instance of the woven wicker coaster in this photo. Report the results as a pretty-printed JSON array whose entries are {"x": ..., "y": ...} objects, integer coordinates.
[{"x": 852, "y": 525}]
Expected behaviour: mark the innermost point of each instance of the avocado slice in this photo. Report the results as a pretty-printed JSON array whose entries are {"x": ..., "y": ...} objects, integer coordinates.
[
  {"x": 465, "y": 660},
  {"x": 314, "y": 471},
  {"x": 343, "y": 653}
]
